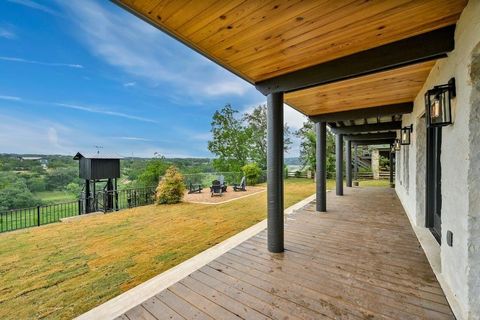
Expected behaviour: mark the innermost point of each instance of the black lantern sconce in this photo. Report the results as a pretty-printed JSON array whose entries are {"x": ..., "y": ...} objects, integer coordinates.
[
  {"x": 396, "y": 145},
  {"x": 405, "y": 135},
  {"x": 438, "y": 104}
]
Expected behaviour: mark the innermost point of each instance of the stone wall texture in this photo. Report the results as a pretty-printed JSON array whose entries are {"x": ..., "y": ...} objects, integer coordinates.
[{"x": 460, "y": 161}]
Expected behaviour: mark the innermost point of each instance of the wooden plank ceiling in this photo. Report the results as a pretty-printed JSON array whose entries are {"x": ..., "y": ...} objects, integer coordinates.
[
  {"x": 261, "y": 39},
  {"x": 383, "y": 88}
]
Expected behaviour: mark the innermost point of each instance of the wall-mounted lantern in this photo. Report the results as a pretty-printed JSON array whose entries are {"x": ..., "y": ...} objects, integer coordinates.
[
  {"x": 438, "y": 104},
  {"x": 396, "y": 145},
  {"x": 405, "y": 134}
]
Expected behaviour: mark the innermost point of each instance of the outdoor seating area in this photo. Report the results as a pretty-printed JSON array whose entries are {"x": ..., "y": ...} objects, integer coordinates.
[
  {"x": 329, "y": 270},
  {"x": 206, "y": 197}
]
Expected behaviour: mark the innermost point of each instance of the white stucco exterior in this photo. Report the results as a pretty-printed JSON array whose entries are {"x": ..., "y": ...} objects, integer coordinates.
[{"x": 459, "y": 265}]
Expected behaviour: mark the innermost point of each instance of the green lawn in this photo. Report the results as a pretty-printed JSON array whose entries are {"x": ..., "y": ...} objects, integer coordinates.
[
  {"x": 55, "y": 196},
  {"x": 61, "y": 270}
]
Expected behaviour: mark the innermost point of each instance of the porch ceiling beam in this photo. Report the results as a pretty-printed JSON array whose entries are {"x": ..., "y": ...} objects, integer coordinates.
[
  {"x": 371, "y": 136},
  {"x": 383, "y": 126},
  {"x": 424, "y": 47},
  {"x": 372, "y": 142},
  {"x": 371, "y": 112}
]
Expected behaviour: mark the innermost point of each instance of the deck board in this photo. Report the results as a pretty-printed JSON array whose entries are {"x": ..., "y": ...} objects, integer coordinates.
[{"x": 360, "y": 260}]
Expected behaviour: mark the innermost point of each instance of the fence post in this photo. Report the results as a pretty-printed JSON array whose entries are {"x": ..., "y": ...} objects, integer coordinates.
[
  {"x": 105, "y": 196},
  {"x": 79, "y": 207},
  {"x": 38, "y": 215}
]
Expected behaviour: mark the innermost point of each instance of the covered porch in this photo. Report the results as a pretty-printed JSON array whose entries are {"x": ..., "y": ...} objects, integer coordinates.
[
  {"x": 361, "y": 260},
  {"x": 358, "y": 69}
]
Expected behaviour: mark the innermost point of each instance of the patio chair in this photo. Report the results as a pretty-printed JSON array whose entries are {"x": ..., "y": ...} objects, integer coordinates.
[
  {"x": 216, "y": 188},
  {"x": 242, "y": 186},
  {"x": 194, "y": 188},
  {"x": 223, "y": 183}
]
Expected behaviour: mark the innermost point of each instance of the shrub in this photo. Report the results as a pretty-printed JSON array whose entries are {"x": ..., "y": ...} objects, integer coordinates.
[
  {"x": 252, "y": 172},
  {"x": 171, "y": 188}
]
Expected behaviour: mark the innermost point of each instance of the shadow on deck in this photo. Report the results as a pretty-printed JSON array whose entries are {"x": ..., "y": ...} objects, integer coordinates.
[{"x": 360, "y": 260}]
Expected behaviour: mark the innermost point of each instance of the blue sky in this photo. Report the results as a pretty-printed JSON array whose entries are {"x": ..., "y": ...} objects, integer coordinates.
[{"x": 80, "y": 73}]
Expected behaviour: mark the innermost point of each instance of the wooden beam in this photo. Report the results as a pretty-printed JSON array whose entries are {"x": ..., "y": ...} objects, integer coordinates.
[
  {"x": 388, "y": 110},
  {"x": 372, "y": 142},
  {"x": 371, "y": 136},
  {"x": 383, "y": 126},
  {"x": 424, "y": 47}
]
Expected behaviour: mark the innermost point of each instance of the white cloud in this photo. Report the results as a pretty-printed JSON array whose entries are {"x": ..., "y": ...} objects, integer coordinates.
[
  {"x": 293, "y": 118},
  {"x": 39, "y": 136},
  {"x": 7, "y": 34},
  {"x": 103, "y": 111},
  {"x": 129, "y": 84},
  {"x": 34, "y": 5},
  {"x": 146, "y": 53},
  {"x": 10, "y": 98},
  {"x": 48, "y": 64},
  {"x": 133, "y": 138}
]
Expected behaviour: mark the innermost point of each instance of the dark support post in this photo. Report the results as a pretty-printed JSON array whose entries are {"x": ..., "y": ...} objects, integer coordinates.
[
  {"x": 339, "y": 163},
  {"x": 87, "y": 196},
  {"x": 391, "y": 170},
  {"x": 348, "y": 163},
  {"x": 275, "y": 171},
  {"x": 355, "y": 163},
  {"x": 321, "y": 166}
]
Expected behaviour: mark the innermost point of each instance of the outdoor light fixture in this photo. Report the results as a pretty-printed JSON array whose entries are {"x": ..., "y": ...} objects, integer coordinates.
[
  {"x": 438, "y": 104},
  {"x": 396, "y": 145},
  {"x": 405, "y": 134}
]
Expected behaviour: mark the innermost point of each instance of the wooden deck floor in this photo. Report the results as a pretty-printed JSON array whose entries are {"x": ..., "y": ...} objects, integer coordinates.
[{"x": 361, "y": 260}]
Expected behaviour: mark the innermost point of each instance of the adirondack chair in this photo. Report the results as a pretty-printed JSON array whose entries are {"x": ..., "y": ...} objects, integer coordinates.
[
  {"x": 242, "y": 186},
  {"x": 223, "y": 183},
  {"x": 216, "y": 188},
  {"x": 194, "y": 188}
]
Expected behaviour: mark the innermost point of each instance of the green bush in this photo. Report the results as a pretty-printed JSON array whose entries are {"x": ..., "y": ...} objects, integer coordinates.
[
  {"x": 252, "y": 172},
  {"x": 171, "y": 188}
]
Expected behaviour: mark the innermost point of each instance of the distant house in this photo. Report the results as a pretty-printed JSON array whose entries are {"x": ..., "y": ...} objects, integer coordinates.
[{"x": 30, "y": 158}]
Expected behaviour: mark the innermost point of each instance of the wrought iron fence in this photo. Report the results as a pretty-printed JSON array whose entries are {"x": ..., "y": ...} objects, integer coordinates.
[
  {"x": 104, "y": 201},
  {"x": 30, "y": 217}
]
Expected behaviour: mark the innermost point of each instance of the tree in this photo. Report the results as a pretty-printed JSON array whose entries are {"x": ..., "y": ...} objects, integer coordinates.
[
  {"x": 308, "y": 142},
  {"x": 73, "y": 188},
  {"x": 15, "y": 195},
  {"x": 154, "y": 170},
  {"x": 172, "y": 188},
  {"x": 252, "y": 173},
  {"x": 58, "y": 178},
  {"x": 229, "y": 140},
  {"x": 256, "y": 128}
]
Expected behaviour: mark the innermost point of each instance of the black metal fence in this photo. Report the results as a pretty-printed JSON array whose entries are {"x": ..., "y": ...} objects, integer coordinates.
[{"x": 104, "y": 201}]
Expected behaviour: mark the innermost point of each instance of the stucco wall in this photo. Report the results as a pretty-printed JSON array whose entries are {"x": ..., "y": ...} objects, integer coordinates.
[{"x": 460, "y": 162}]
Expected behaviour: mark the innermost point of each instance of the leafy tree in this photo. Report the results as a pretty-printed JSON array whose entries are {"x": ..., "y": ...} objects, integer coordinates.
[
  {"x": 152, "y": 173},
  {"x": 171, "y": 188},
  {"x": 16, "y": 195},
  {"x": 59, "y": 178},
  {"x": 252, "y": 173},
  {"x": 36, "y": 184},
  {"x": 229, "y": 140},
  {"x": 73, "y": 188},
  {"x": 308, "y": 142},
  {"x": 256, "y": 128}
]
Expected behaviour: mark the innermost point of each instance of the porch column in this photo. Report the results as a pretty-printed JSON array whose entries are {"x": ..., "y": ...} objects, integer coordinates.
[
  {"x": 275, "y": 171},
  {"x": 348, "y": 163},
  {"x": 355, "y": 163},
  {"x": 321, "y": 166},
  {"x": 339, "y": 163},
  {"x": 391, "y": 170}
]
